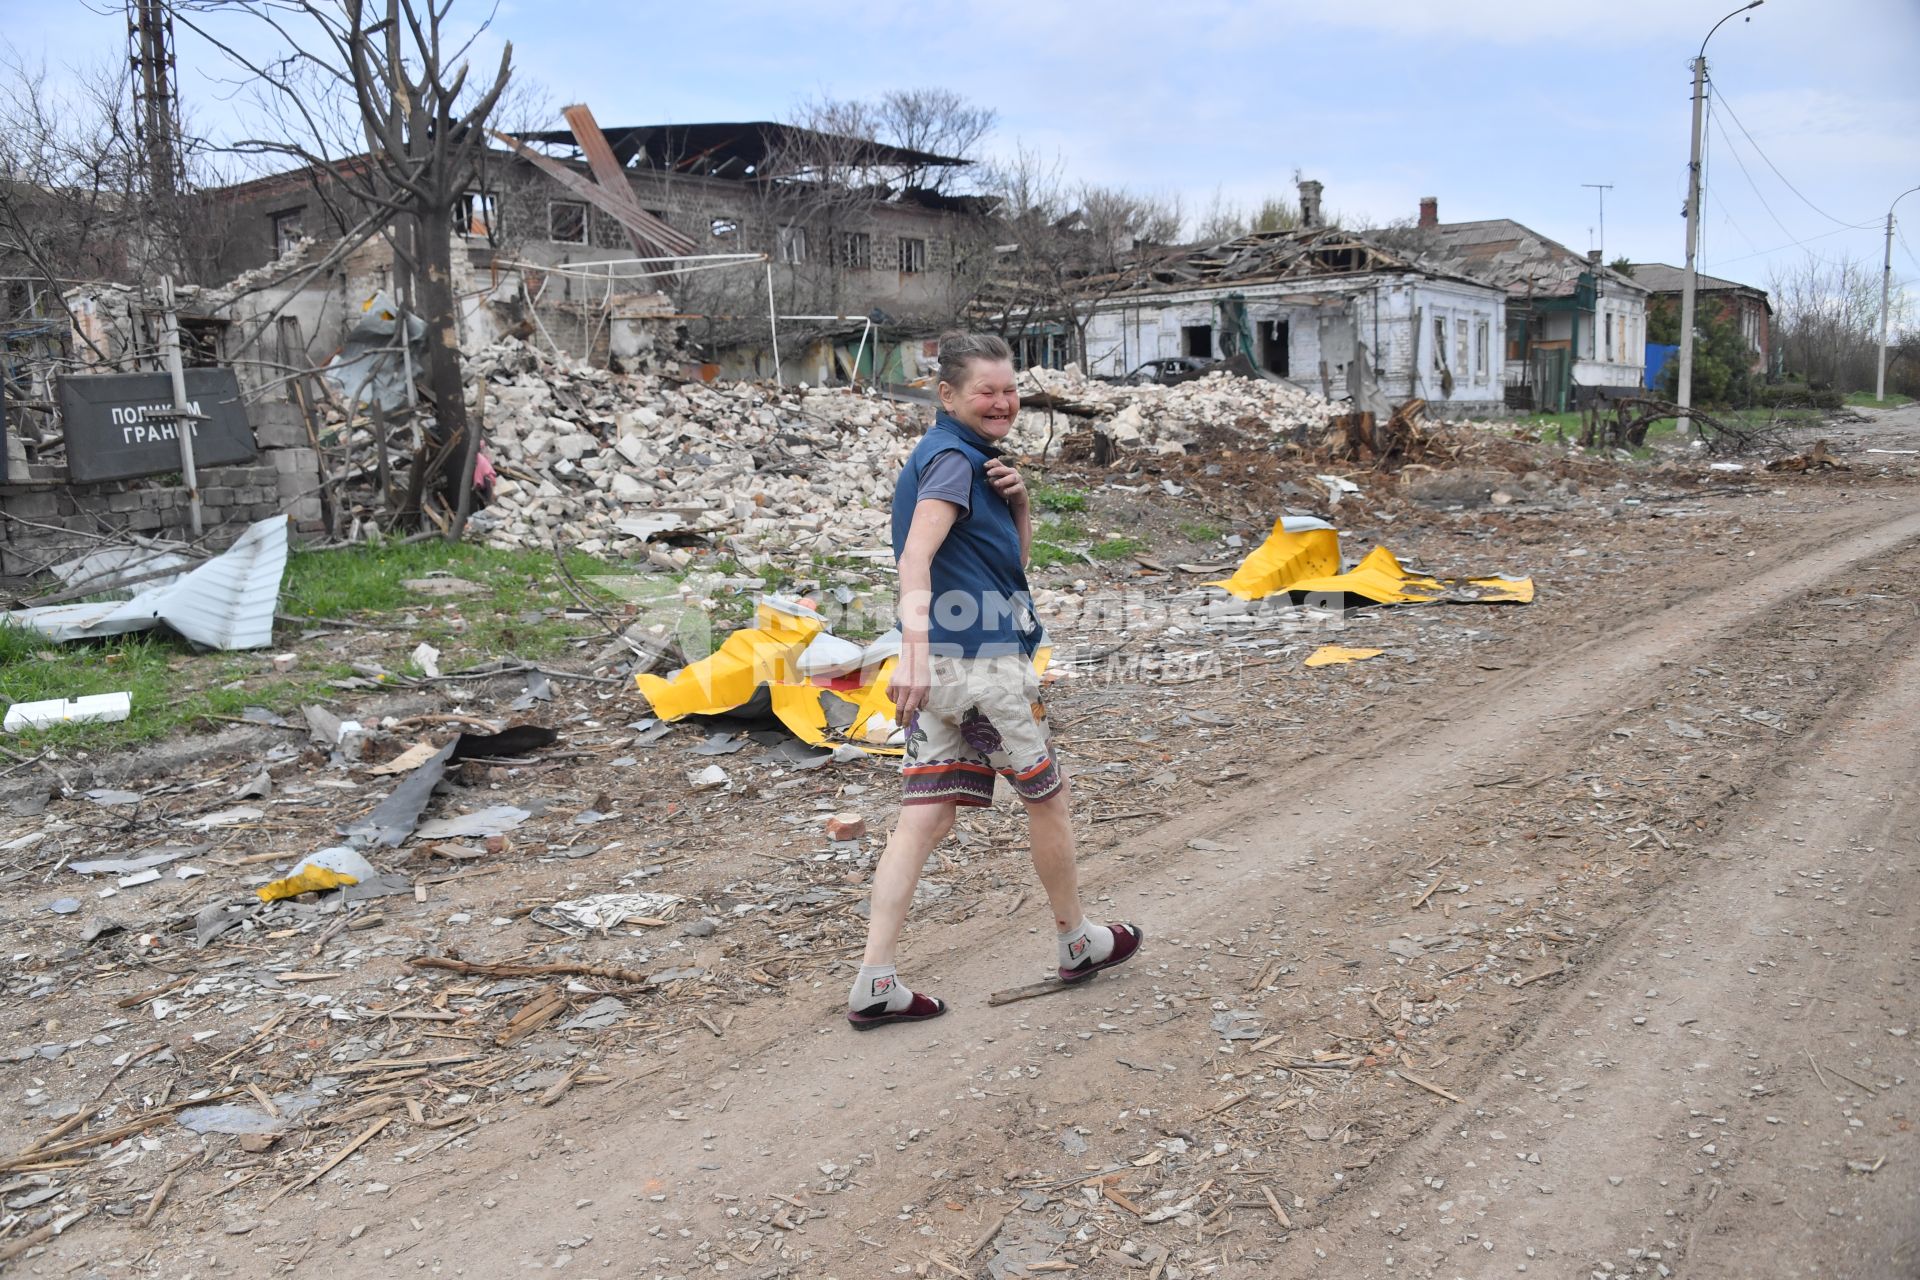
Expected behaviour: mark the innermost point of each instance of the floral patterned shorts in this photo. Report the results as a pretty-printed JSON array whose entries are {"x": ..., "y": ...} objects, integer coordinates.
[{"x": 983, "y": 717}]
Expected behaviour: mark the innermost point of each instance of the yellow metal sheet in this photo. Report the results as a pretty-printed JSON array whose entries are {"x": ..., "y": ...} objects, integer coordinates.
[
  {"x": 1378, "y": 577},
  {"x": 1504, "y": 590},
  {"x": 1311, "y": 549},
  {"x": 1301, "y": 557},
  {"x": 726, "y": 678},
  {"x": 1333, "y": 655}
]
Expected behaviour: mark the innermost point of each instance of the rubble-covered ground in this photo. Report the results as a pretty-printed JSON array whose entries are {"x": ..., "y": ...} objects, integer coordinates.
[{"x": 1575, "y": 938}]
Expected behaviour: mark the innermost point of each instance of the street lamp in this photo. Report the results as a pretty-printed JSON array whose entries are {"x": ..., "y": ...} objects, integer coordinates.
[
  {"x": 1685, "y": 387},
  {"x": 1886, "y": 285}
]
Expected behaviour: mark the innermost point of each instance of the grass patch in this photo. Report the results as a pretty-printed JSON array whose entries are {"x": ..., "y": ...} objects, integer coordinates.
[
  {"x": 174, "y": 689},
  {"x": 1058, "y": 498},
  {"x": 1199, "y": 531},
  {"x": 1865, "y": 400},
  {"x": 1052, "y": 543},
  {"x": 1117, "y": 548}
]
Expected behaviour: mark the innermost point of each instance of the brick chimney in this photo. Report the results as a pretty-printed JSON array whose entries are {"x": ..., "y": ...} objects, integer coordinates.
[
  {"x": 1593, "y": 256},
  {"x": 1310, "y": 203},
  {"x": 1429, "y": 211}
]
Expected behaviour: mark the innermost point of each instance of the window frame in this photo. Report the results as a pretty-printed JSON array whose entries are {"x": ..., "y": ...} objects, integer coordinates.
[
  {"x": 586, "y": 221},
  {"x": 862, "y": 241},
  {"x": 911, "y": 254},
  {"x": 280, "y": 218},
  {"x": 464, "y": 205},
  {"x": 790, "y": 244}
]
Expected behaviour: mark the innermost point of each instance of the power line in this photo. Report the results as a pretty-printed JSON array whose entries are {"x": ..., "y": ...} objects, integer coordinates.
[
  {"x": 1758, "y": 150},
  {"x": 1750, "y": 182},
  {"x": 1745, "y": 173},
  {"x": 1727, "y": 215},
  {"x": 1795, "y": 245},
  {"x": 1901, "y": 236}
]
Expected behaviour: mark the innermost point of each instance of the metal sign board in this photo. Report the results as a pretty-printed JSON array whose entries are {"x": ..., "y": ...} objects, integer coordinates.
[{"x": 121, "y": 425}]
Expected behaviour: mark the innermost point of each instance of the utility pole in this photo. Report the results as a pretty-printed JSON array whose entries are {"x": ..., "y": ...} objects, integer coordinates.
[
  {"x": 1601, "y": 189},
  {"x": 1886, "y": 290},
  {"x": 183, "y": 417},
  {"x": 1684, "y": 391},
  {"x": 156, "y": 114}
]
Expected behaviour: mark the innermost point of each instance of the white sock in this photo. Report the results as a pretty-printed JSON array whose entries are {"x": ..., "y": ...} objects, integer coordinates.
[
  {"x": 878, "y": 985},
  {"x": 1090, "y": 943}
]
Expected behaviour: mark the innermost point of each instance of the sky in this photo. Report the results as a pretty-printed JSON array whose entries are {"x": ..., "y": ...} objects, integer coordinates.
[{"x": 1498, "y": 108}]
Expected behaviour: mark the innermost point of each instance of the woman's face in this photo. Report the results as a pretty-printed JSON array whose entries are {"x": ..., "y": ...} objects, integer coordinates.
[{"x": 986, "y": 400}]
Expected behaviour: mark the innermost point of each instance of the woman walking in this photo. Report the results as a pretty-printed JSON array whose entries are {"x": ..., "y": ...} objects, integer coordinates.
[{"x": 964, "y": 685}]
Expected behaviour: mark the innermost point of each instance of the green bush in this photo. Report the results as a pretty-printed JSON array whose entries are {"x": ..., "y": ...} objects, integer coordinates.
[
  {"x": 1722, "y": 365},
  {"x": 1797, "y": 395},
  {"x": 1052, "y": 497}
]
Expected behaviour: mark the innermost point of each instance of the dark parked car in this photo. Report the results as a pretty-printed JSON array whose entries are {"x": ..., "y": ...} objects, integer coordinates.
[{"x": 1170, "y": 370}]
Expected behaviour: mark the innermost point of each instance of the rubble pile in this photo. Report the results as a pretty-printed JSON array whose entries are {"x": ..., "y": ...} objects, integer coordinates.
[
  {"x": 1170, "y": 419},
  {"x": 602, "y": 462}
]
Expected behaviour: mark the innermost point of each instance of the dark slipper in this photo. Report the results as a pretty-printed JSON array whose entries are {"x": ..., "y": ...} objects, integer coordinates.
[
  {"x": 922, "y": 1008},
  {"x": 1126, "y": 940}
]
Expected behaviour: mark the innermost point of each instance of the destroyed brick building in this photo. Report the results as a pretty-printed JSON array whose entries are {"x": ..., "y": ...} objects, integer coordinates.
[
  {"x": 1576, "y": 329},
  {"x": 717, "y": 222},
  {"x": 1340, "y": 312}
]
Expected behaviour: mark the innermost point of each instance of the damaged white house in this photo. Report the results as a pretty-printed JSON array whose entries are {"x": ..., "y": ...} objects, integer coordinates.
[
  {"x": 1338, "y": 312},
  {"x": 1576, "y": 328}
]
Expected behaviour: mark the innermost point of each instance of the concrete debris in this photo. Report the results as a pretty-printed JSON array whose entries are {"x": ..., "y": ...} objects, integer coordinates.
[
  {"x": 1170, "y": 419},
  {"x": 614, "y": 464}
]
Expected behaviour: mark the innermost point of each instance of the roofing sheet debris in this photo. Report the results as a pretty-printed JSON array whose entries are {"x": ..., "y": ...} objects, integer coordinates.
[
  {"x": 1301, "y": 557},
  {"x": 226, "y": 603}
]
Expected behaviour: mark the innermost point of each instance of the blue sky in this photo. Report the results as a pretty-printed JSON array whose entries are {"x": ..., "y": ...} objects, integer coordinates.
[{"x": 1500, "y": 108}]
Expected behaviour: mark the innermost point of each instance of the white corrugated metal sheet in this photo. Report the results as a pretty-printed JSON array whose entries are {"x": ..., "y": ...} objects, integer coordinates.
[{"x": 226, "y": 603}]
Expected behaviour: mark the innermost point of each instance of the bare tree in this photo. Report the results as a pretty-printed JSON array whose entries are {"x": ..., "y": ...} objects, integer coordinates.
[
  {"x": 373, "y": 96},
  {"x": 1224, "y": 220},
  {"x": 1826, "y": 321},
  {"x": 1069, "y": 248},
  {"x": 932, "y": 121}
]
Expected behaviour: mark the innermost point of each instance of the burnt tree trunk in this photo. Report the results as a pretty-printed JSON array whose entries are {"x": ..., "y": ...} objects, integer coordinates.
[{"x": 433, "y": 288}]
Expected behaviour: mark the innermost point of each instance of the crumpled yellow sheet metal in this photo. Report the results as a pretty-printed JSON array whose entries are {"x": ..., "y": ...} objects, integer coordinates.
[
  {"x": 1301, "y": 557},
  {"x": 1378, "y": 577},
  {"x": 761, "y": 654},
  {"x": 768, "y": 654},
  {"x": 1299, "y": 547},
  {"x": 1334, "y": 655}
]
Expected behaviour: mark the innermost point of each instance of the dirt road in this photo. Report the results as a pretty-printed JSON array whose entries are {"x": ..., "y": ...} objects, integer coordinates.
[{"x": 1597, "y": 959}]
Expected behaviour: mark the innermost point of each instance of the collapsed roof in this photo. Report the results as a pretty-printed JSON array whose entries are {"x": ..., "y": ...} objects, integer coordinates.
[
  {"x": 1263, "y": 257},
  {"x": 742, "y": 151},
  {"x": 1501, "y": 252}
]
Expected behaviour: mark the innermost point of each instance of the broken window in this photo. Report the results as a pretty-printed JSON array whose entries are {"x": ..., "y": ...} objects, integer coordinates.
[
  {"x": 913, "y": 255},
  {"x": 856, "y": 250},
  {"x": 1460, "y": 345},
  {"x": 1274, "y": 341},
  {"x": 793, "y": 244},
  {"x": 1439, "y": 344},
  {"x": 1480, "y": 344},
  {"x": 566, "y": 222},
  {"x": 1196, "y": 340},
  {"x": 286, "y": 226},
  {"x": 473, "y": 215},
  {"x": 1606, "y": 323}
]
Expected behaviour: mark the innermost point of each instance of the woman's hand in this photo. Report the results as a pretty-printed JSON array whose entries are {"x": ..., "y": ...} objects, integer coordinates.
[
  {"x": 1007, "y": 483},
  {"x": 911, "y": 679}
]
